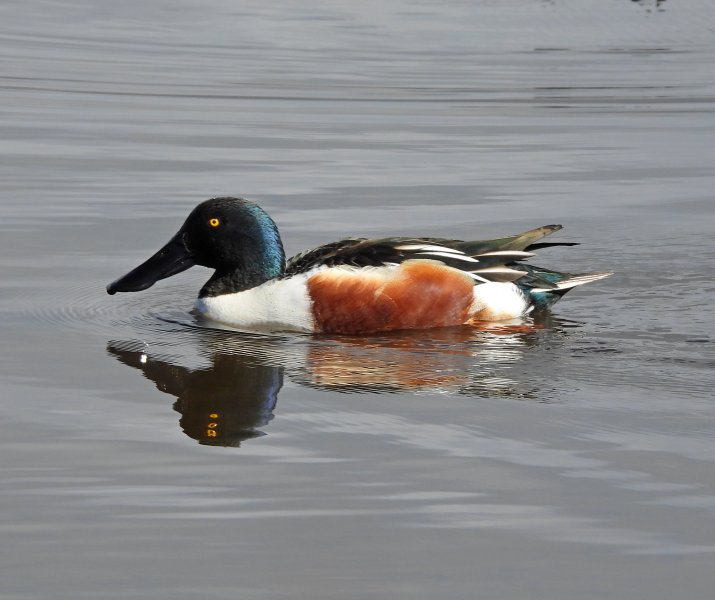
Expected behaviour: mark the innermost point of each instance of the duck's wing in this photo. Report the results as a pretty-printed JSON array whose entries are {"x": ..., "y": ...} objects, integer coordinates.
[{"x": 484, "y": 260}]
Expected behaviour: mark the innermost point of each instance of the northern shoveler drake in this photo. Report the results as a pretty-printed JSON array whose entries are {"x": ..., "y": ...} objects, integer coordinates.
[{"x": 355, "y": 285}]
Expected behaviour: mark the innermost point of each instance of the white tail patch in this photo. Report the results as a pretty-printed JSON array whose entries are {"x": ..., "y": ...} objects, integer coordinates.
[
  {"x": 577, "y": 280},
  {"x": 498, "y": 302}
]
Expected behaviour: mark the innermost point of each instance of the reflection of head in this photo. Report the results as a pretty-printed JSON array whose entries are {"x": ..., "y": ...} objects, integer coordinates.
[
  {"x": 227, "y": 404},
  {"x": 220, "y": 405}
]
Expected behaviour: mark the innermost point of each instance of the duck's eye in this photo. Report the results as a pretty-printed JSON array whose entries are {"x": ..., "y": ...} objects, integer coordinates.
[{"x": 214, "y": 222}]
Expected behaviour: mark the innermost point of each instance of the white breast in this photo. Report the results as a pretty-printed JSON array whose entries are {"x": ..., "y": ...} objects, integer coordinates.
[{"x": 276, "y": 305}]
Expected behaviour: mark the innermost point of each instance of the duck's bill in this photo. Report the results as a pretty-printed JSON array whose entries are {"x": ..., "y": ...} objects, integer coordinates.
[{"x": 173, "y": 258}]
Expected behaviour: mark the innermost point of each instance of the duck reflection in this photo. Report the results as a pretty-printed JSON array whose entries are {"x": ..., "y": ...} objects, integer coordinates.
[
  {"x": 220, "y": 405},
  {"x": 233, "y": 397}
]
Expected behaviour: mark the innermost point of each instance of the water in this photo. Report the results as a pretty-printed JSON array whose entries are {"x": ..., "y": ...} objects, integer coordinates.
[{"x": 145, "y": 456}]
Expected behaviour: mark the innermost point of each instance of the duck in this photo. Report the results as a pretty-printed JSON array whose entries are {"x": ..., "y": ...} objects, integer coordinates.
[{"x": 355, "y": 285}]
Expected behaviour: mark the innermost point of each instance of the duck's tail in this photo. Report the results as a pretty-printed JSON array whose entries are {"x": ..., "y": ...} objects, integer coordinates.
[
  {"x": 544, "y": 287},
  {"x": 571, "y": 281},
  {"x": 524, "y": 242}
]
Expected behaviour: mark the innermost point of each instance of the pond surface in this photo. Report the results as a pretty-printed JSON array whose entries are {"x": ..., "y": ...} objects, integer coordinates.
[{"x": 570, "y": 457}]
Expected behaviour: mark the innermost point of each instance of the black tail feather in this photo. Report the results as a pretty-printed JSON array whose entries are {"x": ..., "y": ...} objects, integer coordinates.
[{"x": 540, "y": 245}]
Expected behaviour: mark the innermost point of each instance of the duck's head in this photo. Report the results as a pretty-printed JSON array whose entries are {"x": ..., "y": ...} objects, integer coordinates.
[{"x": 231, "y": 235}]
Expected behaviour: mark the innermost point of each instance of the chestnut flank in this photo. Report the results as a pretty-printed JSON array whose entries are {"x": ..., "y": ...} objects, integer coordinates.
[{"x": 417, "y": 294}]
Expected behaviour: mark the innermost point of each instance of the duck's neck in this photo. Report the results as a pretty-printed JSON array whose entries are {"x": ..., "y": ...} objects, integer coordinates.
[
  {"x": 259, "y": 258},
  {"x": 230, "y": 282}
]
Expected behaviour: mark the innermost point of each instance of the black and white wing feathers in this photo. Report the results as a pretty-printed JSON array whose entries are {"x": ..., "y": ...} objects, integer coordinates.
[{"x": 485, "y": 260}]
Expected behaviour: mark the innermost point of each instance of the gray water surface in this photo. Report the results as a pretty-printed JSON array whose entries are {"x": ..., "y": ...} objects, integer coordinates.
[{"x": 143, "y": 455}]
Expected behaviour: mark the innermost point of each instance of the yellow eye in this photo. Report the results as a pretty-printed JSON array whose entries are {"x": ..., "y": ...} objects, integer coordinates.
[{"x": 214, "y": 222}]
